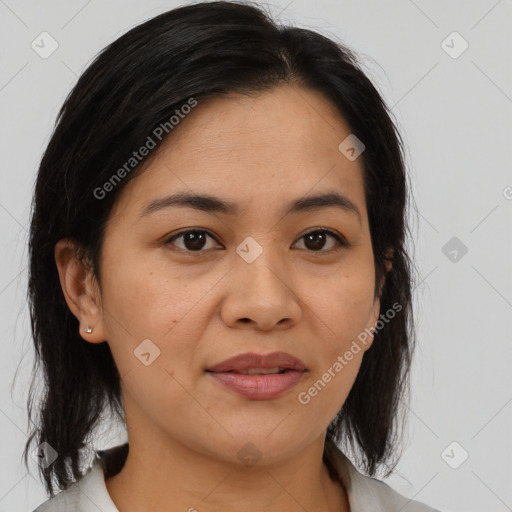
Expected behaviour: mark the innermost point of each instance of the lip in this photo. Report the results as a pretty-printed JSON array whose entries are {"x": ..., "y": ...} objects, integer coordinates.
[
  {"x": 251, "y": 360},
  {"x": 259, "y": 387}
]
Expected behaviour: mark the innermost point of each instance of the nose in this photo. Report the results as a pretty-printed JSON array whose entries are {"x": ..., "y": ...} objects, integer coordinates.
[{"x": 259, "y": 297}]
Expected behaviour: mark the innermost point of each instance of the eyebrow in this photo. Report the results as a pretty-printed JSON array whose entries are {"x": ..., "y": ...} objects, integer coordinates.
[{"x": 208, "y": 203}]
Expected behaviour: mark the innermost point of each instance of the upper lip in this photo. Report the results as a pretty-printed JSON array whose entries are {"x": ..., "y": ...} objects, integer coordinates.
[{"x": 251, "y": 360}]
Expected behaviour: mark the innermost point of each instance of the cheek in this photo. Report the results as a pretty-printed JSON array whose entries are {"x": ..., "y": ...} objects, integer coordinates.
[
  {"x": 341, "y": 308},
  {"x": 342, "y": 303},
  {"x": 155, "y": 302},
  {"x": 340, "y": 313},
  {"x": 150, "y": 296}
]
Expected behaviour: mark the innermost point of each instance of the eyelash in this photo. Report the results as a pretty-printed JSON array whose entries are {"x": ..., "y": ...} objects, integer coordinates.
[{"x": 340, "y": 240}]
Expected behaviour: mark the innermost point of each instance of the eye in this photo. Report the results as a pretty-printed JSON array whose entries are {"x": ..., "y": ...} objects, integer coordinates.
[
  {"x": 315, "y": 240},
  {"x": 193, "y": 240}
]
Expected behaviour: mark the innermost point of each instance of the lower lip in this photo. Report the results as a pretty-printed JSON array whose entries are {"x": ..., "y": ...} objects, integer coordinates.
[{"x": 259, "y": 387}]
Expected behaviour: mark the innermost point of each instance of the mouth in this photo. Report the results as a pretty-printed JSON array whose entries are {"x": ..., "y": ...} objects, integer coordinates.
[
  {"x": 258, "y": 371},
  {"x": 259, "y": 386},
  {"x": 259, "y": 377},
  {"x": 251, "y": 364}
]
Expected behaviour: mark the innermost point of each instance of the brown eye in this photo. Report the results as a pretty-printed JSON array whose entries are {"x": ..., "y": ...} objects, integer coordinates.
[
  {"x": 316, "y": 240},
  {"x": 192, "y": 240},
  {"x": 319, "y": 240}
]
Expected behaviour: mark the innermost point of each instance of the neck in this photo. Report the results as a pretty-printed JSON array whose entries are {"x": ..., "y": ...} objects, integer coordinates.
[{"x": 166, "y": 475}]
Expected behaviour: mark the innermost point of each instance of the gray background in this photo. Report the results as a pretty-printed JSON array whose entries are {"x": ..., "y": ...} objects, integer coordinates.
[{"x": 455, "y": 116}]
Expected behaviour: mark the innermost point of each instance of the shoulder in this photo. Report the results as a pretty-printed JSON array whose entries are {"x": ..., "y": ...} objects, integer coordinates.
[
  {"x": 89, "y": 494},
  {"x": 69, "y": 499},
  {"x": 66, "y": 500},
  {"x": 367, "y": 493}
]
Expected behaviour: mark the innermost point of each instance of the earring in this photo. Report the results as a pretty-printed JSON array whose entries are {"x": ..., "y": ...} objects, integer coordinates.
[{"x": 88, "y": 329}]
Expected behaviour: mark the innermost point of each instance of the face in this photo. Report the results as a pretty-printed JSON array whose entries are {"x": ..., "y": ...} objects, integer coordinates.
[{"x": 203, "y": 284}]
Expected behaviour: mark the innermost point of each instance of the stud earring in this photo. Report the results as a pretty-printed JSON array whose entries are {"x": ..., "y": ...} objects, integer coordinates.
[{"x": 88, "y": 329}]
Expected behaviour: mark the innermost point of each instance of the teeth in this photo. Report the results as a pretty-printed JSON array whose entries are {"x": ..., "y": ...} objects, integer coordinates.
[{"x": 256, "y": 371}]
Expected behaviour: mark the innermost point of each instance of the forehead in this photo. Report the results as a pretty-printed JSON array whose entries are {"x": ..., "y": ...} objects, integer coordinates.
[{"x": 261, "y": 149}]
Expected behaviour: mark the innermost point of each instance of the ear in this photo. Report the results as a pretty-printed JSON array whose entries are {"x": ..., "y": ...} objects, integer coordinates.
[
  {"x": 388, "y": 258},
  {"x": 375, "y": 311},
  {"x": 80, "y": 291},
  {"x": 388, "y": 262}
]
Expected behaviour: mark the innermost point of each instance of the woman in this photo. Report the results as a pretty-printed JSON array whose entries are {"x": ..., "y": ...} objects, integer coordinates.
[{"x": 217, "y": 254}]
